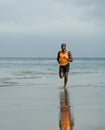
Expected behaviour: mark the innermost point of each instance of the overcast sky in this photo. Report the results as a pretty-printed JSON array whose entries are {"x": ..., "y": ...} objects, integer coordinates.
[{"x": 36, "y": 28}]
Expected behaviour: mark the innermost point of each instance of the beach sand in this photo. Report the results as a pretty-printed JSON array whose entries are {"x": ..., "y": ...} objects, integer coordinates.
[
  {"x": 38, "y": 107},
  {"x": 88, "y": 107}
]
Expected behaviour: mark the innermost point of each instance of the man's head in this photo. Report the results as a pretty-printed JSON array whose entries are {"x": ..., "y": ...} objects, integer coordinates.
[{"x": 63, "y": 46}]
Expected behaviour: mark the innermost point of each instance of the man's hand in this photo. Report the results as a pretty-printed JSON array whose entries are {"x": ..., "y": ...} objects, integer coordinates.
[{"x": 66, "y": 58}]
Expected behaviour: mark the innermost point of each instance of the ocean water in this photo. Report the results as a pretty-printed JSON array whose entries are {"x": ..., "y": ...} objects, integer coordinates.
[
  {"x": 32, "y": 71},
  {"x": 32, "y": 94}
]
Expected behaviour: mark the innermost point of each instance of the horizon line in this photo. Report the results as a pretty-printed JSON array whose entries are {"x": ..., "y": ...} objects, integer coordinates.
[{"x": 42, "y": 57}]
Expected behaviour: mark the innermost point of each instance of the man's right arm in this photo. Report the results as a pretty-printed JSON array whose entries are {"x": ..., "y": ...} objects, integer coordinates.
[{"x": 58, "y": 57}]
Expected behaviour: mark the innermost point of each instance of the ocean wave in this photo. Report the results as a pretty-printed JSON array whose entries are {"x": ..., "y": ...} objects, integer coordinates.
[
  {"x": 87, "y": 72},
  {"x": 20, "y": 71},
  {"x": 4, "y": 84},
  {"x": 36, "y": 74},
  {"x": 88, "y": 86}
]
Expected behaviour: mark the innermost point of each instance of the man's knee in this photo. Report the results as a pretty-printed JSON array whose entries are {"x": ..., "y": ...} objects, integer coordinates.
[{"x": 61, "y": 75}]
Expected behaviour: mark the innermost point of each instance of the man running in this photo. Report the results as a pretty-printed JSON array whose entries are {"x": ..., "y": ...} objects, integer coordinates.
[{"x": 64, "y": 58}]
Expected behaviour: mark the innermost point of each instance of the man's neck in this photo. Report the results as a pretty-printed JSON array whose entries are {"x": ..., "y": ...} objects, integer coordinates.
[{"x": 63, "y": 51}]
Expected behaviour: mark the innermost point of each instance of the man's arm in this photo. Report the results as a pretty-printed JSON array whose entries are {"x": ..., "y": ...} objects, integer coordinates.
[
  {"x": 58, "y": 56},
  {"x": 70, "y": 56}
]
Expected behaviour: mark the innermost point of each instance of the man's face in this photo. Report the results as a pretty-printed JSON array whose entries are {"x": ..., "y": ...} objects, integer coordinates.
[{"x": 63, "y": 47}]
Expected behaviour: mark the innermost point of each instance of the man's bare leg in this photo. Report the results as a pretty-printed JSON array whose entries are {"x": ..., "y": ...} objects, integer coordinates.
[
  {"x": 61, "y": 75},
  {"x": 65, "y": 79}
]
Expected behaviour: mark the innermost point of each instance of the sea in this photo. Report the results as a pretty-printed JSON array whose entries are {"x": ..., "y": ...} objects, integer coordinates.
[
  {"x": 32, "y": 71},
  {"x": 45, "y": 71},
  {"x": 32, "y": 95}
]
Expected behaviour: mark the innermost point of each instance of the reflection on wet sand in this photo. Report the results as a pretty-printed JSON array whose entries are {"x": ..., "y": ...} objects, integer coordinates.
[{"x": 66, "y": 121}]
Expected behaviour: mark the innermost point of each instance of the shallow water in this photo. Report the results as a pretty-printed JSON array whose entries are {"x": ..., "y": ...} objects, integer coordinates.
[{"x": 20, "y": 71}]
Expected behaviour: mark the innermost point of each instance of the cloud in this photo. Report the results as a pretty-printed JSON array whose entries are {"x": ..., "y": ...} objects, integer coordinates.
[
  {"x": 40, "y": 14},
  {"x": 82, "y": 23}
]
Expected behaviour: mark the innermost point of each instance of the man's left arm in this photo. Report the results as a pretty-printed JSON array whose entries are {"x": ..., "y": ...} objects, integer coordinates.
[{"x": 70, "y": 56}]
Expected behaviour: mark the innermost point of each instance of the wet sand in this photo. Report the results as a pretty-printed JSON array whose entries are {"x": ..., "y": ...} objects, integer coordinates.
[
  {"x": 88, "y": 107},
  {"x": 39, "y": 107}
]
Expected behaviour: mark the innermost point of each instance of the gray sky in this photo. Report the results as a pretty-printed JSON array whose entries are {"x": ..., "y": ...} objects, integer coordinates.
[{"x": 38, "y": 27}]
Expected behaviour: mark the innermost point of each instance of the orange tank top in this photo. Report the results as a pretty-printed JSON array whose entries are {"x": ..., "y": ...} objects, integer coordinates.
[{"x": 62, "y": 60}]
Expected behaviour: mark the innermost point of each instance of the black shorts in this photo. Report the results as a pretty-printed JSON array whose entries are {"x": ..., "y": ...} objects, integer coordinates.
[{"x": 64, "y": 68}]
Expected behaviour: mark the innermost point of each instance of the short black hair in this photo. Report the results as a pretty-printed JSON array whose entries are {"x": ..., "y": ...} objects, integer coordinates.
[{"x": 63, "y": 44}]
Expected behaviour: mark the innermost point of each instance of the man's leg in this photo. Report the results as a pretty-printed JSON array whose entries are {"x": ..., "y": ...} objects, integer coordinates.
[
  {"x": 66, "y": 78},
  {"x": 66, "y": 74},
  {"x": 61, "y": 74}
]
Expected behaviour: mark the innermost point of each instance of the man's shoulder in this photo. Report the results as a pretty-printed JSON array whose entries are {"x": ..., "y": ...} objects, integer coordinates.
[
  {"x": 59, "y": 52},
  {"x": 69, "y": 51}
]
